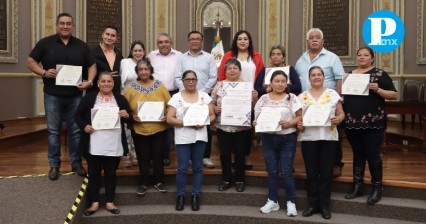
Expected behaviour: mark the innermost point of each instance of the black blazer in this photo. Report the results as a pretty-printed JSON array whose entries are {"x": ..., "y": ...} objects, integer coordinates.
[
  {"x": 102, "y": 65},
  {"x": 83, "y": 118}
]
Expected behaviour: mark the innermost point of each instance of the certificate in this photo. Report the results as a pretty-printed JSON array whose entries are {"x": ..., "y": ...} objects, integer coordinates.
[
  {"x": 355, "y": 84},
  {"x": 269, "y": 71},
  {"x": 236, "y": 103},
  {"x": 105, "y": 118},
  {"x": 268, "y": 121},
  {"x": 317, "y": 115},
  {"x": 151, "y": 111},
  {"x": 68, "y": 75},
  {"x": 196, "y": 114}
]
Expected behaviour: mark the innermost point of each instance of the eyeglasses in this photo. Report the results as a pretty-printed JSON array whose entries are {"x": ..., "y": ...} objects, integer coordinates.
[{"x": 189, "y": 80}]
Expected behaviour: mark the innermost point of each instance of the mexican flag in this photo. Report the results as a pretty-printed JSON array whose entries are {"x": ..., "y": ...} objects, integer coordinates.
[{"x": 217, "y": 50}]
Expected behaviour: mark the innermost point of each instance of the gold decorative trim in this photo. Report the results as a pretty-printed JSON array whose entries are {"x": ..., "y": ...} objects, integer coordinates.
[
  {"x": 10, "y": 55},
  {"x": 421, "y": 32},
  {"x": 43, "y": 18},
  {"x": 353, "y": 45},
  {"x": 160, "y": 18}
]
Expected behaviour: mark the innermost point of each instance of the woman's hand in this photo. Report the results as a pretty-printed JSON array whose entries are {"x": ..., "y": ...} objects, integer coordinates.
[
  {"x": 136, "y": 118},
  {"x": 300, "y": 126},
  {"x": 285, "y": 124},
  {"x": 335, "y": 120},
  {"x": 254, "y": 95},
  {"x": 123, "y": 114},
  {"x": 217, "y": 109},
  {"x": 198, "y": 127},
  {"x": 374, "y": 86},
  {"x": 89, "y": 129},
  {"x": 163, "y": 119},
  {"x": 254, "y": 123}
]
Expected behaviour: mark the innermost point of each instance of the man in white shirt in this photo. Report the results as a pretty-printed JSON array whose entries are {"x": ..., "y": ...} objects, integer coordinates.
[
  {"x": 164, "y": 61},
  {"x": 205, "y": 66}
]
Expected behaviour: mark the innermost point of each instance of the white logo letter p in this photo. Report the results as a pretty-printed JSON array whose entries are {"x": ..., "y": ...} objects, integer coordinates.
[{"x": 376, "y": 29}]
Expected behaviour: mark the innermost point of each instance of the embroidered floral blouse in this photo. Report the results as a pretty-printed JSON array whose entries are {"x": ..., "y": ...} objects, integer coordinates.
[
  {"x": 317, "y": 133},
  {"x": 368, "y": 112}
]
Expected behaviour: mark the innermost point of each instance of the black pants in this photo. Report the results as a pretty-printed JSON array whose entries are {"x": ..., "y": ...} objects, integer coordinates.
[
  {"x": 95, "y": 165},
  {"x": 147, "y": 148},
  {"x": 339, "y": 152},
  {"x": 366, "y": 143},
  {"x": 208, "y": 150},
  {"x": 232, "y": 142},
  {"x": 319, "y": 158}
]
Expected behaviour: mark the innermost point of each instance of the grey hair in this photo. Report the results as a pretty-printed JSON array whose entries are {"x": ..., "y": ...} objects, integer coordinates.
[
  {"x": 164, "y": 35},
  {"x": 314, "y": 30}
]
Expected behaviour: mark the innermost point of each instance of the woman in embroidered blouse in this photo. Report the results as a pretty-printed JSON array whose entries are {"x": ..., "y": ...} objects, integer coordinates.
[
  {"x": 365, "y": 125},
  {"x": 190, "y": 140},
  {"x": 148, "y": 136},
  {"x": 319, "y": 144},
  {"x": 231, "y": 138},
  {"x": 102, "y": 148},
  {"x": 279, "y": 147}
]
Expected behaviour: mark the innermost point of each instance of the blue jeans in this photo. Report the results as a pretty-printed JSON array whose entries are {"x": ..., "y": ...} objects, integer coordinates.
[
  {"x": 280, "y": 150},
  {"x": 195, "y": 153},
  {"x": 59, "y": 109}
]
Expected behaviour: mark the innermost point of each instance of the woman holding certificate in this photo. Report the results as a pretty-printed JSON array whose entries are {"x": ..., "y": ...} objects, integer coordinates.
[
  {"x": 102, "y": 144},
  {"x": 277, "y": 114},
  {"x": 148, "y": 99},
  {"x": 233, "y": 99},
  {"x": 365, "y": 124},
  {"x": 322, "y": 112},
  {"x": 190, "y": 111}
]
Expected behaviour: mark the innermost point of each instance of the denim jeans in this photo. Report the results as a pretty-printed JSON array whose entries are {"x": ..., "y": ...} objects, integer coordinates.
[
  {"x": 280, "y": 150},
  {"x": 195, "y": 153},
  {"x": 59, "y": 109}
]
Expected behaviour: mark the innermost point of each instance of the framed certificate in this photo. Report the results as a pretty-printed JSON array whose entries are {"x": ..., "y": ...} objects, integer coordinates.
[
  {"x": 317, "y": 115},
  {"x": 105, "y": 118},
  {"x": 151, "y": 111},
  {"x": 268, "y": 121},
  {"x": 68, "y": 75},
  {"x": 269, "y": 71},
  {"x": 236, "y": 103},
  {"x": 355, "y": 84},
  {"x": 196, "y": 114}
]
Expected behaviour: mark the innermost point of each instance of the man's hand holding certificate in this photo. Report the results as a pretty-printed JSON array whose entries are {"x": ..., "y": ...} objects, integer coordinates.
[
  {"x": 196, "y": 115},
  {"x": 317, "y": 115},
  {"x": 105, "y": 118},
  {"x": 68, "y": 75},
  {"x": 268, "y": 121},
  {"x": 355, "y": 84},
  {"x": 151, "y": 111}
]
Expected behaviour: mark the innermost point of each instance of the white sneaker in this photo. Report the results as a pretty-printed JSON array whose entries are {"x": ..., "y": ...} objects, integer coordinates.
[
  {"x": 270, "y": 206},
  {"x": 207, "y": 162},
  {"x": 291, "y": 209}
]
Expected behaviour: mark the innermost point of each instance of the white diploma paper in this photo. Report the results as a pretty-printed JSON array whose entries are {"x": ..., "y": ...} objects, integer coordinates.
[
  {"x": 355, "y": 84},
  {"x": 268, "y": 121},
  {"x": 317, "y": 115},
  {"x": 236, "y": 103},
  {"x": 151, "y": 111},
  {"x": 269, "y": 71},
  {"x": 196, "y": 115},
  {"x": 105, "y": 118},
  {"x": 68, "y": 75}
]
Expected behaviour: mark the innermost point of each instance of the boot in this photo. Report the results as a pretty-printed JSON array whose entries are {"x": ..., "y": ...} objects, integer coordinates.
[
  {"x": 358, "y": 173},
  {"x": 376, "y": 171}
]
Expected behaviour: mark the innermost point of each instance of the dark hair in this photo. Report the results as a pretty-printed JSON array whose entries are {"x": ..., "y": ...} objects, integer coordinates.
[
  {"x": 134, "y": 43},
  {"x": 148, "y": 64},
  {"x": 281, "y": 72},
  {"x": 195, "y": 31},
  {"x": 64, "y": 14},
  {"x": 111, "y": 27},
  {"x": 232, "y": 61},
  {"x": 369, "y": 50},
  {"x": 187, "y": 72},
  {"x": 315, "y": 67},
  {"x": 279, "y": 47},
  {"x": 234, "y": 46}
]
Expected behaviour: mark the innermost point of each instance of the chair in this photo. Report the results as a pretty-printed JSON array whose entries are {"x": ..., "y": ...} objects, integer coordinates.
[{"x": 413, "y": 92}]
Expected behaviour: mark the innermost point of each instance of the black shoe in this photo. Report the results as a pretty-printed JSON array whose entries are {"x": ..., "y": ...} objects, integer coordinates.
[
  {"x": 325, "y": 213},
  {"x": 141, "y": 190},
  {"x": 79, "y": 170},
  {"x": 160, "y": 188},
  {"x": 180, "y": 202},
  {"x": 239, "y": 186},
  {"x": 53, "y": 173},
  {"x": 114, "y": 211},
  {"x": 224, "y": 186},
  {"x": 195, "y": 203},
  {"x": 89, "y": 212},
  {"x": 248, "y": 167},
  {"x": 309, "y": 211},
  {"x": 166, "y": 162}
]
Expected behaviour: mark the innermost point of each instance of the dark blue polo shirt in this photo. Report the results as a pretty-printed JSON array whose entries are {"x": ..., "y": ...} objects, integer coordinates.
[{"x": 51, "y": 51}]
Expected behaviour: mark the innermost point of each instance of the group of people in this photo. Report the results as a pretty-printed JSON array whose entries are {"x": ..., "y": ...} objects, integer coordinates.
[{"x": 180, "y": 80}]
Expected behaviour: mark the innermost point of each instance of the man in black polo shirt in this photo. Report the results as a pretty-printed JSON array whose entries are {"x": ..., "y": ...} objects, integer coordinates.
[{"x": 61, "y": 102}]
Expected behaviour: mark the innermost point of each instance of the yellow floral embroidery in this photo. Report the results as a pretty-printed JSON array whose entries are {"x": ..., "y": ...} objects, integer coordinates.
[
  {"x": 327, "y": 96},
  {"x": 332, "y": 128},
  {"x": 305, "y": 99},
  {"x": 322, "y": 102}
]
